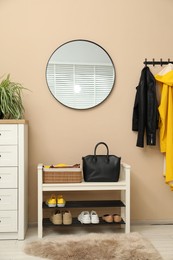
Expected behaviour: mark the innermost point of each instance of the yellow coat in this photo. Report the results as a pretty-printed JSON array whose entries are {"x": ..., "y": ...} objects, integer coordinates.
[{"x": 166, "y": 122}]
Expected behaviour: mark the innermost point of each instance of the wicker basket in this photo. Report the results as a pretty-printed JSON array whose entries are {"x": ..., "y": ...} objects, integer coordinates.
[{"x": 62, "y": 175}]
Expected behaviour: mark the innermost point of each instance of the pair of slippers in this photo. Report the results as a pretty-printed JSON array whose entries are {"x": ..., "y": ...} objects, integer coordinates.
[{"x": 112, "y": 218}]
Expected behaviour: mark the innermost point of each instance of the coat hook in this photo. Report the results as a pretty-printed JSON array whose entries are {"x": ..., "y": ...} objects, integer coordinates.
[
  {"x": 168, "y": 60},
  {"x": 145, "y": 62},
  {"x": 161, "y": 62},
  {"x": 153, "y": 62}
]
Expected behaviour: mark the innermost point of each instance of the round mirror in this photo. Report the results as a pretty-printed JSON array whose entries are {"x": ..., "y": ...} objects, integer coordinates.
[{"x": 80, "y": 74}]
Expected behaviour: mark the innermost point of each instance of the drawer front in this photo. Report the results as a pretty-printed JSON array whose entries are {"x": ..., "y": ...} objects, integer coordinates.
[
  {"x": 8, "y": 221},
  {"x": 8, "y": 177},
  {"x": 8, "y": 134},
  {"x": 8, "y": 199},
  {"x": 8, "y": 155}
]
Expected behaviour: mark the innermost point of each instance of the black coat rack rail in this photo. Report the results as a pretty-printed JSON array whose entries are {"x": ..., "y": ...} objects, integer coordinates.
[{"x": 160, "y": 62}]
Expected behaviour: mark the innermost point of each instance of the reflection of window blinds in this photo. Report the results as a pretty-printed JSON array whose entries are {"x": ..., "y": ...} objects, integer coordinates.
[{"x": 92, "y": 83}]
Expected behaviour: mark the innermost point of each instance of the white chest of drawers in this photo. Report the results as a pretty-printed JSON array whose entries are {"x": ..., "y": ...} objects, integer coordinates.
[{"x": 13, "y": 179}]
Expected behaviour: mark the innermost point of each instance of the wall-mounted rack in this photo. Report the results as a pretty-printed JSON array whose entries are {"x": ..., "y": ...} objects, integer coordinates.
[{"x": 154, "y": 62}]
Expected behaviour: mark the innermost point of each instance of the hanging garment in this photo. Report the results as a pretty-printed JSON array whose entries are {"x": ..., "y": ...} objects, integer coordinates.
[
  {"x": 165, "y": 77},
  {"x": 145, "y": 111}
]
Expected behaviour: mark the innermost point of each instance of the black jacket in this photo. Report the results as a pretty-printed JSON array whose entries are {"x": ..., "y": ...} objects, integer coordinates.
[{"x": 145, "y": 111}]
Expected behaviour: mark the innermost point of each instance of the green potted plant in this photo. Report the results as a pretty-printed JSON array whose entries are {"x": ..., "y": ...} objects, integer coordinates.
[{"x": 11, "y": 106}]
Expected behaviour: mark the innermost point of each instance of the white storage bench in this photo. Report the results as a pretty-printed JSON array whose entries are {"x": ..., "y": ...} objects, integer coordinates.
[{"x": 123, "y": 185}]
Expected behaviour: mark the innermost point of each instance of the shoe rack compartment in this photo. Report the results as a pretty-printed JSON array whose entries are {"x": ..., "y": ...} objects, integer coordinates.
[
  {"x": 85, "y": 204},
  {"x": 123, "y": 185}
]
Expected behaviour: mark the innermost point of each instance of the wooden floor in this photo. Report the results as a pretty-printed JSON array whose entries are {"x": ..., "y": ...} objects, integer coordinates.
[{"x": 161, "y": 236}]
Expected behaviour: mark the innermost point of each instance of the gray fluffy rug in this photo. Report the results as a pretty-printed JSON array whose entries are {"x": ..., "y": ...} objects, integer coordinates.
[{"x": 94, "y": 246}]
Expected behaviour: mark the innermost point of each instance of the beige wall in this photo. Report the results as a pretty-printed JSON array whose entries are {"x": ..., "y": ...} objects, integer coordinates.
[{"x": 130, "y": 31}]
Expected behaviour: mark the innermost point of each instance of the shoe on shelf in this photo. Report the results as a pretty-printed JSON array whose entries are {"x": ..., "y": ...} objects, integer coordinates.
[
  {"x": 51, "y": 202},
  {"x": 117, "y": 218},
  {"x": 84, "y": 217},
  {"x": 61, "y": 201},
  {"x": 67, "y": 217},
  {"x": 56, "y": 218},
  {"x": 94, "y": 217},
  {"x": 108, "y": 218}
]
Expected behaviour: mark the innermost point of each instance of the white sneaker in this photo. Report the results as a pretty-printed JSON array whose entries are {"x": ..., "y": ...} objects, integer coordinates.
[
  {"x": 84, "y": 217},
  {"x": 94, "y": 217}
]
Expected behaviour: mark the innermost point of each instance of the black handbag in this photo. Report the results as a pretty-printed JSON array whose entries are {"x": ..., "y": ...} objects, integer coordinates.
[{"x": 101, "y": 168}]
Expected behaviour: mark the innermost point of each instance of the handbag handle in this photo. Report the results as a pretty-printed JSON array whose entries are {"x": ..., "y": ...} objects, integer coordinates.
[{"x": 96, "y": 149}]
